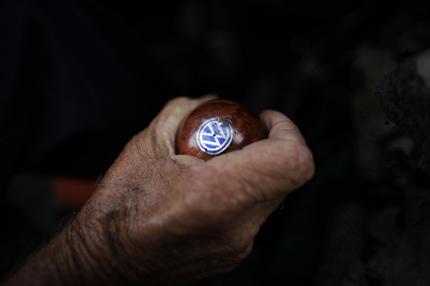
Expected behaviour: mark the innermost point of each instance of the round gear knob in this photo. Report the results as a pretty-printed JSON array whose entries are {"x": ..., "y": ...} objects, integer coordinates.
[{"x": 216, "y": 127}]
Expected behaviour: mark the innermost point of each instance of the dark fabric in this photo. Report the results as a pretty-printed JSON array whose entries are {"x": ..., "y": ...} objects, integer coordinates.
[{"x": 79, "y": 78}]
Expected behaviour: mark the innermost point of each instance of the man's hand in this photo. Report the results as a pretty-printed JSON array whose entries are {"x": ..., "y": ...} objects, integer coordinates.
[{"x": 162, "y": 218}]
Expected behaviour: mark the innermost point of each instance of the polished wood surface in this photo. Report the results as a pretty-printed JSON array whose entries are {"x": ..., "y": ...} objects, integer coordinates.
[{"x": 247, "y": 127}]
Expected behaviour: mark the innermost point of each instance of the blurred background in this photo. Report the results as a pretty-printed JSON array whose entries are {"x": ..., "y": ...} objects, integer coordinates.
[{"x": 79, "y": 78}]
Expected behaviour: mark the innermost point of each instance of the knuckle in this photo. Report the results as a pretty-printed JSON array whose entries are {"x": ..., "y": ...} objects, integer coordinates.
[
  {"x": 171, "y": 105},
  {"x": 293, "y": 164},
  {"x": 284, "y": 159},
  {"x": 178, "y": 100},
  {"x": 307, "y": 163},
  {"x": 138, "y": 145},
  {"x": 303, "y": 165},
  {"x": 242, "y": 250},
  {"x": 233, "y": 253}
]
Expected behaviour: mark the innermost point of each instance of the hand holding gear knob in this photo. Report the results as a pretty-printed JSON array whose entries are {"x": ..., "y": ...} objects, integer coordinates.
[{"x": 216, "y": 127}]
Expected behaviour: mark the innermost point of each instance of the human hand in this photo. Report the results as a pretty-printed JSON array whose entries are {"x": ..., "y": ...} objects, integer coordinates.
[{"x": 162, "y": 218}]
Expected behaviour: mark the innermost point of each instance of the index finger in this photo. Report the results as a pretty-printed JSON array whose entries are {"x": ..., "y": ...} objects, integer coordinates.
[{"x": 273, "y": 166}]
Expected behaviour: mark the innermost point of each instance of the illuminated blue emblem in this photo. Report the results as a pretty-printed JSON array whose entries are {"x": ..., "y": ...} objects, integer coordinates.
[{"x": 214, "y": 136}]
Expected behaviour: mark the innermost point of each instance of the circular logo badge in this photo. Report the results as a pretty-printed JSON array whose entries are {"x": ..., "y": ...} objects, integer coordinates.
[{"x": 214, "y": 136}]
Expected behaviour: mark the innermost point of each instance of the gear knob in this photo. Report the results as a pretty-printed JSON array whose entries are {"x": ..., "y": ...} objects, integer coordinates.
[{"x": 216, "y": 127}]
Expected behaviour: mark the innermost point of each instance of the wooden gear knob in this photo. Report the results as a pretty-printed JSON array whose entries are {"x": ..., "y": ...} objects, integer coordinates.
[{"x": 216, "y": 127}]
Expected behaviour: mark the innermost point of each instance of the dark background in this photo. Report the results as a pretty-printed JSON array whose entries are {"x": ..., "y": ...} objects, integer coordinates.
[{"x": 79, "y": 78}]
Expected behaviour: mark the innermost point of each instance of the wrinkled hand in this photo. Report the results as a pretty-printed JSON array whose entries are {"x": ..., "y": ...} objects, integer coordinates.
[{"x": 158, "y": 217}]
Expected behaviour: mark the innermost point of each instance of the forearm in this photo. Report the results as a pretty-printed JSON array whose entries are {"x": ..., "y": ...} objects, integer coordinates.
[
  {"x": 52, "y": 265},
  {"x": 74, "y": 257}
]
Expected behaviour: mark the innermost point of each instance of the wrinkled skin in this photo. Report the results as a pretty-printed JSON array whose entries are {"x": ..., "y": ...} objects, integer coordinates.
[{"x": 162, "y": 218}]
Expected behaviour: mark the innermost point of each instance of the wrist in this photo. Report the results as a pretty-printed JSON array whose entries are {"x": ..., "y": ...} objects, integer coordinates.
[
  {"x": 82, "y": 254},
  {"x": 92, "y": 253}
]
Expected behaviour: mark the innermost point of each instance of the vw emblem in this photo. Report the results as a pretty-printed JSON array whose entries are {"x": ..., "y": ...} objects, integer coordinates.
[{"x": 214, "y": 136}]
